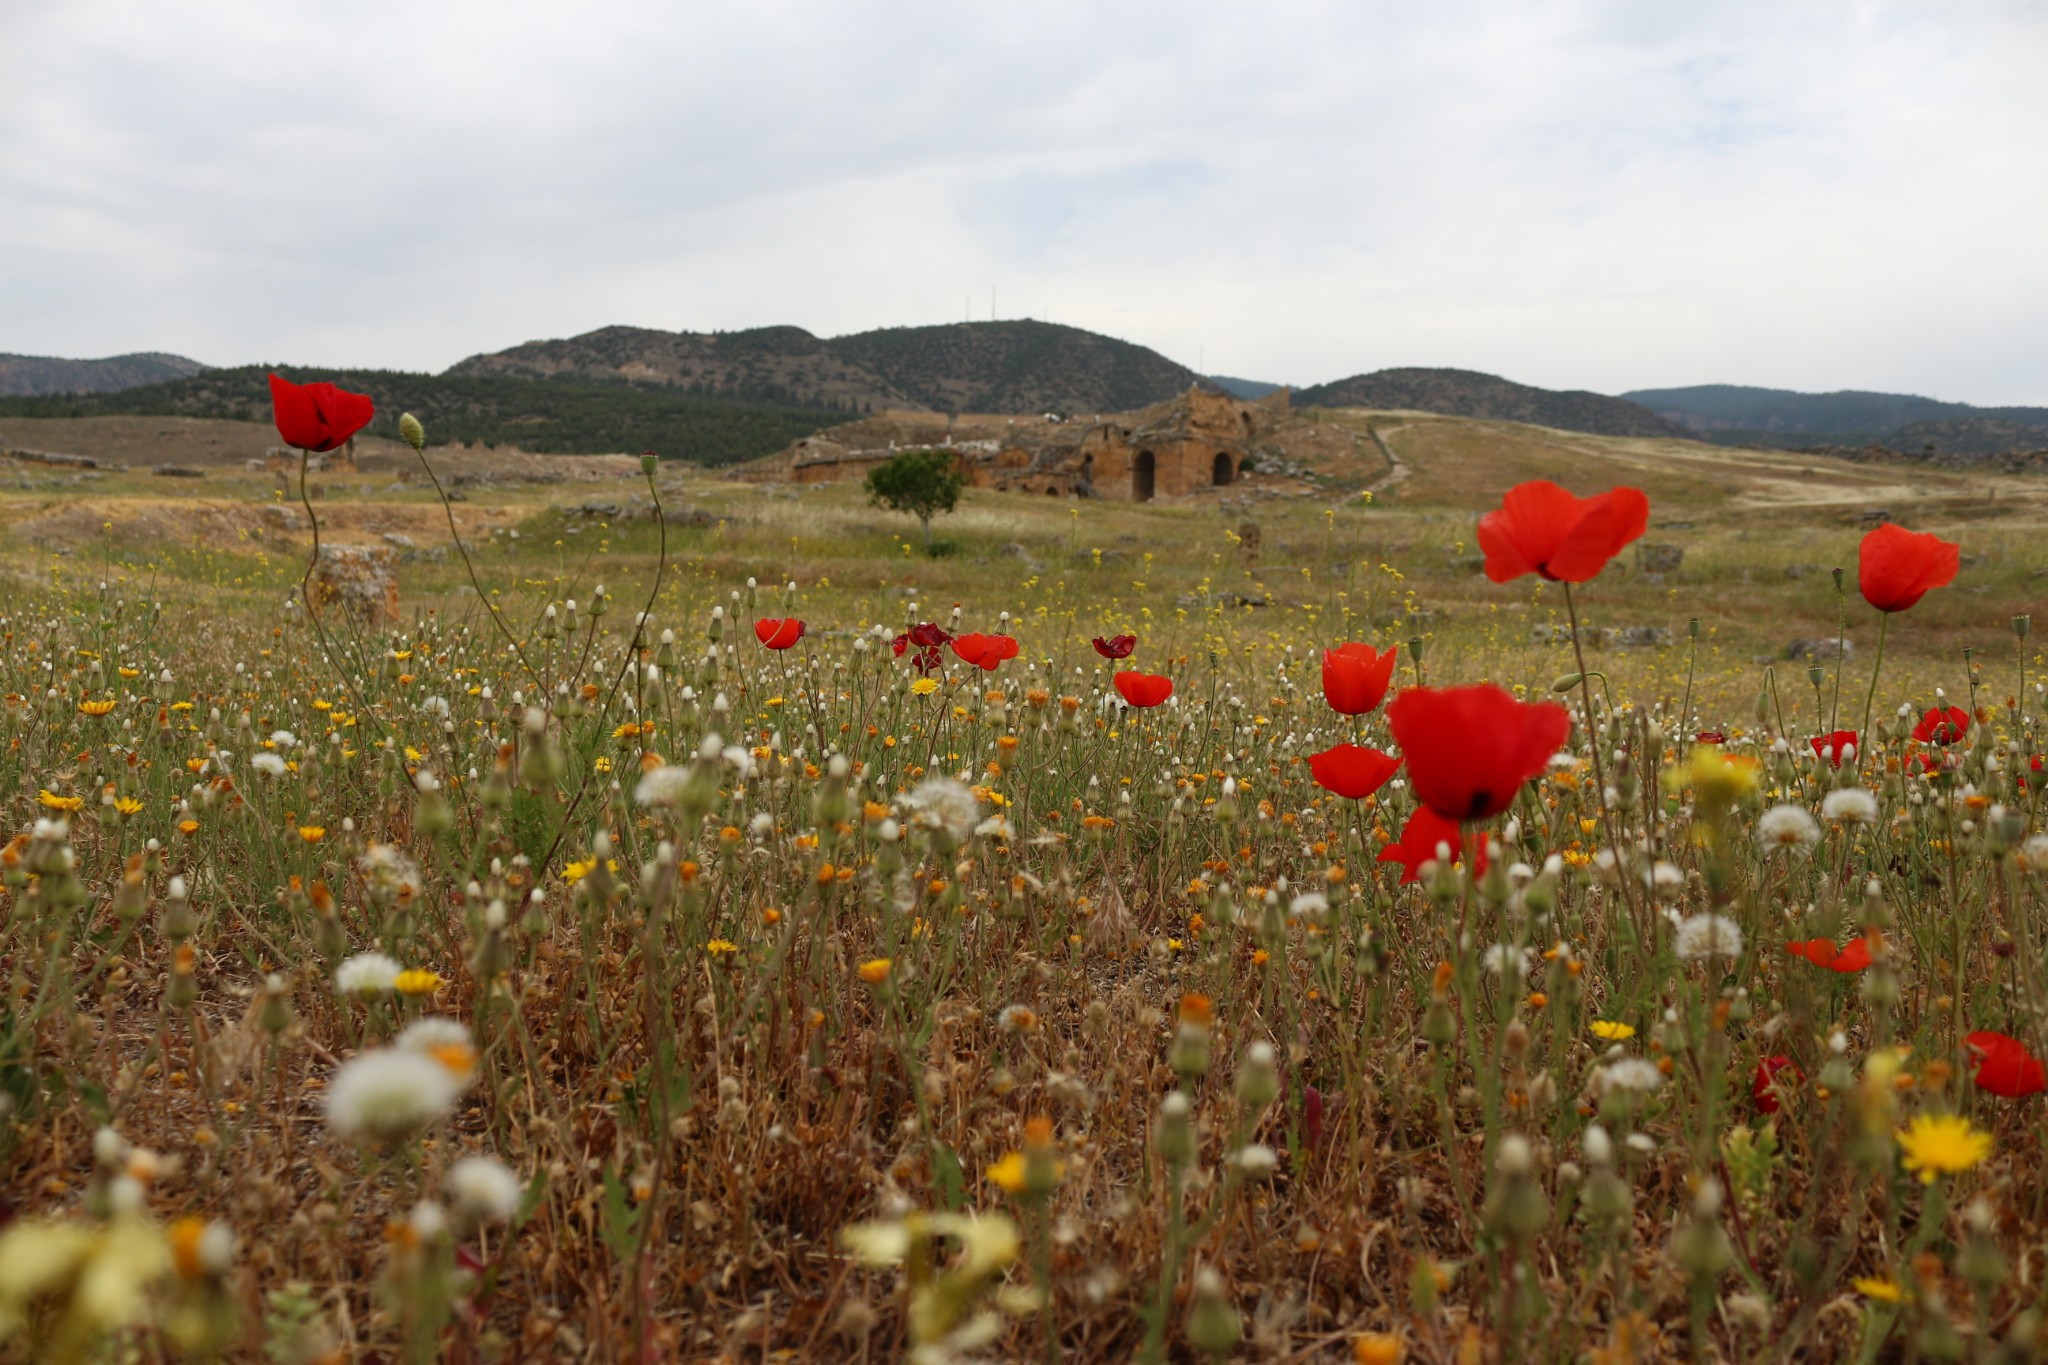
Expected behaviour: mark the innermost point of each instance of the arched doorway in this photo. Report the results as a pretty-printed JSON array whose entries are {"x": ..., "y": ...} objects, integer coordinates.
[
  {"x": 1142, "y": 473},
  {"x": 1223, "y": 472}
]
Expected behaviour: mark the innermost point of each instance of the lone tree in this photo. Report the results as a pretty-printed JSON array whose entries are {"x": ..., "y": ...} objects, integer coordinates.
[{"x": 923, "y": 483}]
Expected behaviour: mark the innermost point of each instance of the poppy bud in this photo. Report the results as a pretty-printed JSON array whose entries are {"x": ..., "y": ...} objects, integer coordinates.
[
  {"x": 1567, "y": 682},
  {"x": 413, "y": 433}
]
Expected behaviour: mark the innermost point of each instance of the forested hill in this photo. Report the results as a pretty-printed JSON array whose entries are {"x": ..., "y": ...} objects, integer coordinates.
[
  {"x": 1467, "y": 393},
  {"x": 1015, "y": 367},
  {"x": 558, "y": 416}
]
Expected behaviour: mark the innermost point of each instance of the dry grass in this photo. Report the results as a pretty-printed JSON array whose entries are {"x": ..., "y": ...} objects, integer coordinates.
[{"x": 700, "y": 1078}]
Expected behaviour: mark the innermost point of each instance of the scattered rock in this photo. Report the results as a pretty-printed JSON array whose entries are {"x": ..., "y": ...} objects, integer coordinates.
[
  {"x": 1821, "y": 651},
  {"x": 278, "y": 515},
  {"x": 1659, "y": 558},
  {"x": 177, "y": 471},
  {"x": 359, "y": 579}
]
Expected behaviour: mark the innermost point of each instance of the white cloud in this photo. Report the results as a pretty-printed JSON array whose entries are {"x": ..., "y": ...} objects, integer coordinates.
[{"x": 1582, "y": 195}]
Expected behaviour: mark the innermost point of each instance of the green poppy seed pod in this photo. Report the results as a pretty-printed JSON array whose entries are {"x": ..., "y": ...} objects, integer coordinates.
[
  {"x": 1415, "y": 649},
  {"x": 1213, "y": 1323},
  {"x": 1566, "y": 682},
  {"x": 649, "y": 462},
  {"x": 1836, "y": 574},
  {"x": 1816, "y": 675},
  {"x": 415, "y": 435},
  {"x": 2021, "y": 624},
  {"x": 1692, "y": 629}
]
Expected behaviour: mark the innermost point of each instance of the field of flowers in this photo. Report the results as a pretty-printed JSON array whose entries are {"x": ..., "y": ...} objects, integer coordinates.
[{"x": 691, "y": 968}]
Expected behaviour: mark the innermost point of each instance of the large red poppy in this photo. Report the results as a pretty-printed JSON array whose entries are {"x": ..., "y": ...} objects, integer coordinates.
[
  {"x": 1834, "y": 747},
  {"x": 778, "y": 634},
  {"x": 1351, "y": 770},
  {"x": 1895, "y": 567},
  {"x": 1143, "y": 690},
  {"x": 1116, "y": 646},
  {"x": 1540, "y": 528},
  {"x": 1941, "y": 726},
  {"x": 1355, "y": 678},
  {"x": 985, "y": 651},
  {"x": 926, "y": 637},
  {"x": 2005, "y": 1067},
  {"x": 1775, "y": 1077},
  {"x": 1423, "y": 835},
  {"x": 1470, "y": 749},
  {"x": 317, "y": 417},
  {"x": 1821, "y": 953}
]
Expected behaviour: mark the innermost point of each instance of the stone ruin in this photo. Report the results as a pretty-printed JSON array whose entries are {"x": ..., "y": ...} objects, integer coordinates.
[
  {"x": 361, "y": 580},
  {"x": 1196, "y": 441}
]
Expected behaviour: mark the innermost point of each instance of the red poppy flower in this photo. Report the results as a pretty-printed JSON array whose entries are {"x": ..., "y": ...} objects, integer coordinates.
[
  {"x": 1710, "y": 737},
  {"x": 985, "y": 651},
  {"x": 1470, "y": 749},
  {"x": 1942, "y": 727},
  {"x": 2005, "y": 1067},
  {"x": 1143, "y": 690},
  {"x": 1540, "y": 528},
  {"x": 778, "y": 634},
  {"x": 1835, "y": 747},
  {"x": 927, "y": 638},
  {"x": 318, "y": 417},
  {"x": 1116, "y": 646},
  {"x": 1895, "y": 567},
  {"x": 1355, "y": 678},
  {"x": 1932, "y": 763},
  {"x": 1352, "y": 770},
  {"x": 1775, "y": 1077},
  {"x": 1423, "y": 835},
  {"x": 1821, "y": 953}
]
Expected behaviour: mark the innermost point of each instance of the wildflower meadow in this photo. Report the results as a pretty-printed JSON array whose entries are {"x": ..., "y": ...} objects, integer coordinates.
[{"x": 635, "y": 961}]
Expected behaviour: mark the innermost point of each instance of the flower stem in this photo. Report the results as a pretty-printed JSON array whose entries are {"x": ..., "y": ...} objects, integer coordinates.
[{"x": 1876, "y": 665}]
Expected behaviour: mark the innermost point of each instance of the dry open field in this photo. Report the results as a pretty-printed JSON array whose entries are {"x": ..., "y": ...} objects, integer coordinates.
[{"x": 524, "y": 979}]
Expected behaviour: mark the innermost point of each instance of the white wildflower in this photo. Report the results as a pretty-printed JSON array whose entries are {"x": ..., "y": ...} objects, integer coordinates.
[
  {"x": 662, "y": 786},
  {"x": 390, "y": 1094},
  {"x": 1500, "y": 959},
  {"x": 2033, "y": 854},
  {"x": 483, "y": 1190},
  {"x": 269, "y": 764},
  {"x": 1787, "y": 827},
  {"x": 1700, "y": 936},
  {"x": 943, "y": 806},
  {"x": 1630, "y": 1073},
  {"x": 1850, "y": 806},
  {"x": 995, "y": 827},
  {"x": 367, "y": 974}
]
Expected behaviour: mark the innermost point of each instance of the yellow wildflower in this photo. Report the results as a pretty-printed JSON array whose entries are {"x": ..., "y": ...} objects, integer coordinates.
[
  {"x": 875, "y": 970},
  {"x": 1611, "y": 1031},
  {"x": 1942, "y": 1144},
  {"x": 96, "y": 708},
  {"x": 417, "y": 981},
  {"x": 924, "y": 687},
  {"x": 56, "y": 802},
  {"x": 1879, "y": 1288}
]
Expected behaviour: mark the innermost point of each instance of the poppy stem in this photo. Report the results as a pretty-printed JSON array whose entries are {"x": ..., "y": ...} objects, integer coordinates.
[
  {"x": 1593, "y": 745},
  {"x": 1877, "y": 664}
]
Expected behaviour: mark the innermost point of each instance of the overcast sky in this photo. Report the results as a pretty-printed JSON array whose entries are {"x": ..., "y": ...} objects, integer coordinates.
[{"x": 1578, "y": 195}]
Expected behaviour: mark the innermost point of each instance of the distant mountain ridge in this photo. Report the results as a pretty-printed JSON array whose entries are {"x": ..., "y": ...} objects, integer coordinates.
[
  {"x": 26, "y": 376},
  {"x": 1021, "y": 366},
  {"x": 1468, "y": 393},
  {"x": 1739, "y": 414}
]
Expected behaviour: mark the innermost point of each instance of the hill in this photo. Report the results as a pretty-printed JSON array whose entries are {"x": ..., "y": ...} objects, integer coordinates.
[
  {"x": 571, "y": 417},
  {"x": 1736, "y": 414},
  {"x": 1021, "y": 366},
  {"x": 28, "y": 375},
  {"x": 1467, "y": 393},
  {"x": 1251, "y": 390}
]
